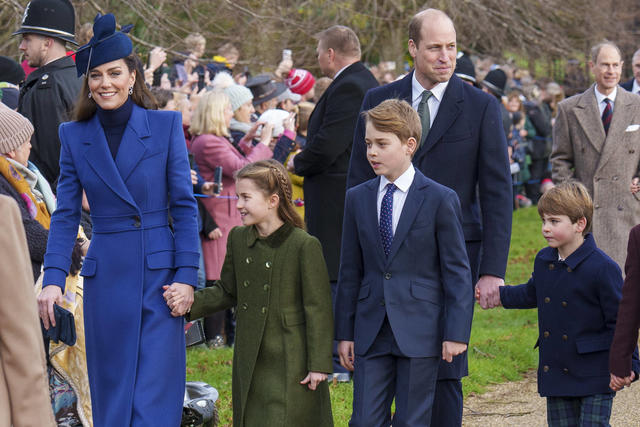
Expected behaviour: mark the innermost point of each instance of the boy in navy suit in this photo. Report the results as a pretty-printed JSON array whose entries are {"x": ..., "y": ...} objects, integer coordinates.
[
  {"x": 404, "y": 290},
  {"x": 576, "y": 288}
]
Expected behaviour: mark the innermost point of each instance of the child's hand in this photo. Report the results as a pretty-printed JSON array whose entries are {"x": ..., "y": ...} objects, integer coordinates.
[
  {"x": 345, "y": 351},
  {"x": 618, "y": 383},
  {"x": 635, "y": 185},
  {"x": 313, "y": 379},
  {"x": 452, "y": 348}
]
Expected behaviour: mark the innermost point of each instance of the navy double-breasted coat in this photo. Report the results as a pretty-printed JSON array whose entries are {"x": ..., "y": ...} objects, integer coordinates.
[{"x": 135, "y": 349}]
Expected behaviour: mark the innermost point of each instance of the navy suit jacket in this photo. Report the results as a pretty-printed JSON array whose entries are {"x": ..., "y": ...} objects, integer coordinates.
[
  {"x": 465, "y": 150},
  {"x": 628, "y": 85},
  {"x": 423, "y": 286}
]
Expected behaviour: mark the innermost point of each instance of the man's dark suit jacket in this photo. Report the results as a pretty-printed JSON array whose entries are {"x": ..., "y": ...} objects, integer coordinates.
[
  {"x": 325, "y": 159},
  {"x": 465, "y": 150},
  {"x": 628, "y": 85}
]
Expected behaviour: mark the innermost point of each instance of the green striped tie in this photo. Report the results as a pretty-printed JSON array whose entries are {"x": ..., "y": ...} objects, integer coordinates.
[{"x": 425, "y": 117}]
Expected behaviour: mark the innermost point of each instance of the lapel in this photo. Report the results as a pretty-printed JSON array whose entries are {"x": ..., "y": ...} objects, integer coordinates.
[
  {"x": 133, "y": 145},
  {"x": 623, "y": 111},
  {"x": 588, "y": 115},
  {"x": 355, "y": 67},
  {"x": 410, "y": 210},
  {"x": 371, "y": 215},
  {"x": 450, "y": 109},
  {"x": 406, "y": 89}
]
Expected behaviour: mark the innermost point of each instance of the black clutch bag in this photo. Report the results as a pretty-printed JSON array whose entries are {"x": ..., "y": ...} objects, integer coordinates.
[{"x": 65, "y": 329}]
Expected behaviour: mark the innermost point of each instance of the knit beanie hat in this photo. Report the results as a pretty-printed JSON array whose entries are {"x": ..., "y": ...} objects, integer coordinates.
[
  {"x": 300, "y": 81},
  {"x": 238, "y": 95},
  {"x": 15, "y": 129}
]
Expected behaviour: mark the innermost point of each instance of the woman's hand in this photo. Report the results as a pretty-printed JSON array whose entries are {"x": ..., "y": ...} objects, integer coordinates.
[
  {"x": 50, "y": 295},
  {"x": 179, "y": 298},
  {"x": 251, "y": 135},
  {"x": 266, "y": 134},
  {"x": 194, "y": 177},
  {"x": 313, "y": 379},
  {"x": 215, "y": 234},
  {"x": 290, "y": 122}
]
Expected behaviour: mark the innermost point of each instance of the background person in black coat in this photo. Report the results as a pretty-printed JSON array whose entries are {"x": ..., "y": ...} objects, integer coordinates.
[{"x": 324, "y": 161}]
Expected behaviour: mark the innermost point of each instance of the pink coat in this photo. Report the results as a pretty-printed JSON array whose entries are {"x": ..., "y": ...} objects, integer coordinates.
[{"x": 211, "y": 151}]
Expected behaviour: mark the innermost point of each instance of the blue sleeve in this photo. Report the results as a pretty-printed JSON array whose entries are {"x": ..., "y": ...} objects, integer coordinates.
[{"x": 521, "y": 296}]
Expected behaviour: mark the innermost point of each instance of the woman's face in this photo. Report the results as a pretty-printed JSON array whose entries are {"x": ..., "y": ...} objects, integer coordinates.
[
  {"x": 513, "y": 105},
  {"x": 109, "y": 84},
  {"x": 243, "y": 114}
]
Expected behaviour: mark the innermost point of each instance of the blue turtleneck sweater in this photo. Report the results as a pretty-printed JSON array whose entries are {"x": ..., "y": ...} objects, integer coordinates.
[{"x": 114, "y": 122}]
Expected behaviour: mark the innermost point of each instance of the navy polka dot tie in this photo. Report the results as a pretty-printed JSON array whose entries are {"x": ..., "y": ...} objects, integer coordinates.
[{"x": 386, "y": 218}]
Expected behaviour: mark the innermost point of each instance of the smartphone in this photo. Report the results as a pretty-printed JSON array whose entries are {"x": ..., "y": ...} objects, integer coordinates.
[
  {"x": 217, "y": 179},
  {"x": 286, "y": 54}
]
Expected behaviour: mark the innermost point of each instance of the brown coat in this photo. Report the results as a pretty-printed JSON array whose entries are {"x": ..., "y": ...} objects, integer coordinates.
[
  {"x": 605, "y": 164},
  {"x": 24, "y": 389}
]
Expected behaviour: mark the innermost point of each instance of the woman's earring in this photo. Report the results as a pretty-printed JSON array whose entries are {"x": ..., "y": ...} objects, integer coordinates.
[
  {"x": 89, "y": 95},
  {"x": 130, "y": 90}
]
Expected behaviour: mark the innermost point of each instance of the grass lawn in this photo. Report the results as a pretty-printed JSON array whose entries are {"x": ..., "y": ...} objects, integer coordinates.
[{"x": 501, "y": 347}]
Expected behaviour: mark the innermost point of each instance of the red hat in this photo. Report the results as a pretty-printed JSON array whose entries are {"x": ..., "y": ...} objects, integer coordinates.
[{"x": 300, "y": 81}]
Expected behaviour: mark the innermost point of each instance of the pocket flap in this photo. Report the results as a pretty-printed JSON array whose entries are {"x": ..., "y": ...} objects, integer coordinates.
[
  {"x": 364, "y": 292},
  {"x": 427, "y": 291},
  {"x": 592, "y": 345},
  {"x": 88, "y": 267},
  {"x": 162, "y": 259},
  {"x": 293, "y": 318}
]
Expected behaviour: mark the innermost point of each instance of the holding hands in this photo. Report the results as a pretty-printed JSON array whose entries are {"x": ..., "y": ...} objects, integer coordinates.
[
  {"x": 618, "y": 383},
  {"x": 313, "y": 379},
  {"x": 488, "y": 291},
  {"x": 179, "y": 298}
]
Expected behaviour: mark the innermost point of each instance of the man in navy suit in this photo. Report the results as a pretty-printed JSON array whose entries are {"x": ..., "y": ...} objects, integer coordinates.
[
  {"x": 633, "y": 85},
  {"x": 404, "y": 290},
  {"x": 464, "y": 148}
]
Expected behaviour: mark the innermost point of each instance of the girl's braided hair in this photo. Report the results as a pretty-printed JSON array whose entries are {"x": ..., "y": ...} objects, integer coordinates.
[{"x": 271, "y": 177}]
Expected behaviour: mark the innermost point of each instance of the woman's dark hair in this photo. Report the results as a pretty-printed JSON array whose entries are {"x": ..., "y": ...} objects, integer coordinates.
[
  {"x": 86, "y": 107},
  {"x": 162, "y": 96}
]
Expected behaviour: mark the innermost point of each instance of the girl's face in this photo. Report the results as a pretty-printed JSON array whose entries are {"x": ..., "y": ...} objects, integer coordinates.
[
  {"x": 254, "y": 207},
  {"x": 243, "y": 114},
  {"x": 513, "y": 105},
  {"x": 109, "y": 84}
]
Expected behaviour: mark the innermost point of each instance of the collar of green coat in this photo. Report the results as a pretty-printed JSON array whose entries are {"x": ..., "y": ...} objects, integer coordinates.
[{"x": 274, "y": 239}]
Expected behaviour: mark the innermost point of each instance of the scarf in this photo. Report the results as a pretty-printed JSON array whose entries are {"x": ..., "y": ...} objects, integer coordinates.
[{"x": 37, "y": 210}]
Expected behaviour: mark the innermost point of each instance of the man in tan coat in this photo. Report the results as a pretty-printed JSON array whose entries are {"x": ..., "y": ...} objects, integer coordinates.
[
  {"x": 24, "y": 390},
  {"x": 596, "y": 140}
]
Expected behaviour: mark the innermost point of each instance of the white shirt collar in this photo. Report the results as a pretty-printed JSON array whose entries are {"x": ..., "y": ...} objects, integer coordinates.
[
  {"x": 417, "y": 89},
  {"x": 403, "y": 182},
  {"x": 635, "y": 87},
  {"x": 600, "y": 97},
  {"x": 340, "y": 71}
]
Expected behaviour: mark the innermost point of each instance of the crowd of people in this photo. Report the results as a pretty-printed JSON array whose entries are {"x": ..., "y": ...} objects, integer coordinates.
[{"x": 333, "y": 226}]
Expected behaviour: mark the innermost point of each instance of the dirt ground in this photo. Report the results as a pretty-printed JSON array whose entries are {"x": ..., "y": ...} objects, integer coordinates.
[{"x": 518, "y": 404}]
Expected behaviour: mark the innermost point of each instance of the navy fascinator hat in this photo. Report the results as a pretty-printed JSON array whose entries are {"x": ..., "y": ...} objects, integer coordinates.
[{"x": 106, "y": 45}]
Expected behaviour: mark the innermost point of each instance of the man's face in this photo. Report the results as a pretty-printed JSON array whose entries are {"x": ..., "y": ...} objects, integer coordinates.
[
  {"x": 324, "y": 60},
  {"x": 435, "y": 54},
  {"x": 607, "y": 69},
  {"x": 34, "y": 49},
  {"x": 636, "y": 68}
]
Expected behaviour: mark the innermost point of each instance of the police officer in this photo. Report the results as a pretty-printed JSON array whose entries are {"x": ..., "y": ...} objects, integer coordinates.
[{"x": 48, "y": 93}]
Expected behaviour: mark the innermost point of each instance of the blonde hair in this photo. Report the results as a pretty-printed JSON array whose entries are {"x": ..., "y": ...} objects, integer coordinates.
[
  {"x": 569, "y": 198},
  {"x": 396, "y": 117},
  {"x": 272, "y": 178},
  {"x": 193, "y": 40},
  {"x": 209, "y": 114}
]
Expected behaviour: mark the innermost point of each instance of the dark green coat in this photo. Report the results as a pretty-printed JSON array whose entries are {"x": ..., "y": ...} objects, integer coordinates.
[{"x": 280, "y": 287}]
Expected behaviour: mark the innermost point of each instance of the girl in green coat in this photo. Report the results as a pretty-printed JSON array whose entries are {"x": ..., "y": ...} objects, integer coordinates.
[{"x": 275, "y": 275}]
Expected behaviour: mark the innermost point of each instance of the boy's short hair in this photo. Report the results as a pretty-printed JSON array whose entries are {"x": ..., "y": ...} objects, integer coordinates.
[
  {"x": 569, "y": 198},
  {"x": 396, "y": 117}
]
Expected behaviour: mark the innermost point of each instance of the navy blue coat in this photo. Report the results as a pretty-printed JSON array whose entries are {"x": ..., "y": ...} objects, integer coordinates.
[
  {"x": 423, "y": 286},
  {"x": 577, "y": 301},
  {"x": 135, "y": 348},
  {"x": 628, "y": 85}
]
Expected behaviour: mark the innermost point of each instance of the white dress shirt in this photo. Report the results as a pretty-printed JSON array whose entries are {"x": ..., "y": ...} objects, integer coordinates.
[
  {"x": 340, "y": 71},
  {"x": 636, "y": 87},
  {"x": 434, "y": 101},
  {"x": 403, "y": 183},
  {"x": 600, "y": 98}
]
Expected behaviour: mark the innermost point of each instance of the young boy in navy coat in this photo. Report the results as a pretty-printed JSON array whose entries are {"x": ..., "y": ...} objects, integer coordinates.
[
  {"x": 404, "y": 290},
  {"x": 576, "y": 288}
]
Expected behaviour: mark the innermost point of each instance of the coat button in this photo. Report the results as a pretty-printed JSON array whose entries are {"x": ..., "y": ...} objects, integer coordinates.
[
  {"x": 564, "y": 303},
  {"x": 632, "y": 151},
  {"x": 264, "y": 310},
  {"x": 565, "y": 370},
  {"x": 615, "y": 177},
  {"x": 620, "y": 207},
  {"x": 244, "y": 306},
  {"x": 547, "y": 300},
  {"x": 564, "y": 338},
  {"x": 569, "y": 269},
  {"x": 136, "y": 221},
  {"x": 249, "y": 260},
  {"x": 266, "y": 287},
  {"x": 267, "y": 264},
  {"x": 545, "y": 368},
  {"x": 596, "y": 207},
  {"x": 387, "y": 276},
  {"x": 246, "y": 284},
  {"x": 551, "y": 266},
  {"x": 546, "y": 334}
]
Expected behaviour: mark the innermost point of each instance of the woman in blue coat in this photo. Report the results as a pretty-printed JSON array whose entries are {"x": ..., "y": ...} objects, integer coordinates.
[{"x": 132, "y": 163}]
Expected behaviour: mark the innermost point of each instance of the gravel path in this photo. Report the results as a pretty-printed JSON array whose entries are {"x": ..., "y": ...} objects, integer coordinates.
[{"x": 518, "y": 404}]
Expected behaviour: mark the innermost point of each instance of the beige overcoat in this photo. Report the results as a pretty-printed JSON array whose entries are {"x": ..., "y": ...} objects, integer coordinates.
[
  {"x": 24, "y": 388},
  {"x": 604, "y": 163}
]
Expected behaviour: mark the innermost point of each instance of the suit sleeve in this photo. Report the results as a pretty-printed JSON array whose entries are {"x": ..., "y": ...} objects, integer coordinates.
[
  {"x": 454, "y": 270},
  {"x": 521, "y": 296},
  {"x": 495, "y": 185},
  {"x": 183, "y": 207},
  {"x": 350, "y": 273},
  {"x": 65, "y": 219},
  {"x": 335, "y": 134},
  {"x": 628, "y": 319},
  {"x": 359, "y": 168},
  {"x": 562, "y": 151},
  {"x": 21, "y": 351},
  {"x": 316, "y": 299}
]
